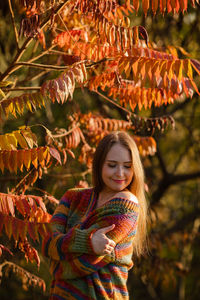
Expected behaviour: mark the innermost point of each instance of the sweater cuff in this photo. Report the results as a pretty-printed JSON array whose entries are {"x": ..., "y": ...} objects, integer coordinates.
[{"x": 82, "y": 240}]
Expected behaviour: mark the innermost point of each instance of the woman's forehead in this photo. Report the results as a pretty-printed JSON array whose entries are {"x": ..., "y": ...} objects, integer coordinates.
[{"x": 119, "y": 152}]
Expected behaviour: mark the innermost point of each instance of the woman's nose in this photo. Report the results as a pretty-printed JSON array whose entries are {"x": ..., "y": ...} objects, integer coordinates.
[{"x": 119, "y": 171}]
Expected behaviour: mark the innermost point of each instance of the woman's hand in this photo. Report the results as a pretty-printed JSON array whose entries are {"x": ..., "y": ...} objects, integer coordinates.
[{"x": 101, "y": 243}]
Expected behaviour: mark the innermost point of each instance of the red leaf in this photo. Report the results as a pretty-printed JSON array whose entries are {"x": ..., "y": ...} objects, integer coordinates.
[
  {"x": 26, "y": 205},
  {"x": 55, "y": 154},
  {"x": 196, "y": 65},
  {"x": 33, "y": 231},
  {"x": 8, "y": 226},
  {"x": 6, "y": 249},
  {"x": 41, "y": 203},
  {"x": 10, "y": 205},
  {"x": 44, "y": 229},
  {"x": 22, "y": 228},
  {"x": 1, "y": 221},
  {"x": 15, "y": 229}
]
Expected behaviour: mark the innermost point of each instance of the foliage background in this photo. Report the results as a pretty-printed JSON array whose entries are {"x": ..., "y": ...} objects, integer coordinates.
[{"x": 171, "y": 268}]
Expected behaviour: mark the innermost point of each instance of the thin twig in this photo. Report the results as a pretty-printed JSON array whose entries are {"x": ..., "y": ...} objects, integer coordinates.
[
  {"x": 40, "y": 66},
  {"x": 116, "y": 104},
  {"x": 40, "y": 74},
  {"x": 66, "y": 133},
  {"x": 13, "y": 22},
  {"x": 31, "y": 188},
  {"x": 42, "y": 54},
  {"x": 75, "y": 42},
  {"x": 21, "y": 88},
  {"x": 126, "y": 110},
  {"x": 13, "y": 67},
  {"x": 58, "y": 52},
  {"x": 88, "y": 171},
  {"x": 21, "y": 181}
]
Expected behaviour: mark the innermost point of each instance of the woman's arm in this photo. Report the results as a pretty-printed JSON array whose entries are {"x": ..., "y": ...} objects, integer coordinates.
[
  {"x": 125, "y": 223},
  {"x": 61, "y": 245}
]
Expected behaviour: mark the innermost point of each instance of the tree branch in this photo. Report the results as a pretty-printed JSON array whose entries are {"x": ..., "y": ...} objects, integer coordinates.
[
  {"x": 116, "y": 104},
  {"x": 13, "y": 67},
  {"x": 40, "y": 66},
  {"x": 62, "y": 176},
  {"x": 161, "y": 161},
  {"x": 167, "y": 181},
  {"x": 22, "y": 88},
  {"x": 183, "y": 222},
  {"x": 13, "y": 22}
]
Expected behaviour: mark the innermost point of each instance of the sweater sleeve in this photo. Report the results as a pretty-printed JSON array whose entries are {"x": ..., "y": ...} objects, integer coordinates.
[
  {"x": 125, "y": 224},
  {"x": 59, "y": 244}
]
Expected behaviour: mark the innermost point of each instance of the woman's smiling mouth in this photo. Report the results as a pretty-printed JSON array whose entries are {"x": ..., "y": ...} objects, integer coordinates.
[{"x": 118, "y": 180}]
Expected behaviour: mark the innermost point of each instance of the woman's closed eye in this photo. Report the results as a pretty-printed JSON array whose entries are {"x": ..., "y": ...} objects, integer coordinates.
[
  {"x": 114, "y": 165},
  {"x": 128, "y": 167}
]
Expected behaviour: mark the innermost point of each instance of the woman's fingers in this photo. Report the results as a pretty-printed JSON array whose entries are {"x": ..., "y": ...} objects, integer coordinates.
[
  {"x": 109, "y": 246},
  {"x": 112, "y": 243},
  {"x": 108, "y": 249},
  {"x": 107, "y": 229},
  {"x": 101, "y": 243}
]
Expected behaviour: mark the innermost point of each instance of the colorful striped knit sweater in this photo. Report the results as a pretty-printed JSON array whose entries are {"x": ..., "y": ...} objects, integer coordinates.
[{"x": 78, "y": 272}]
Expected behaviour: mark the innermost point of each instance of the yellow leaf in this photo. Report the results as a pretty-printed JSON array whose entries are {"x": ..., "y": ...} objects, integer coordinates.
[
  {"x": 163, "y": 67},
  {"x": 41, "y": 157},
  {"x": 10, "y": 109},
  {"x": 176, "y": 67},
  {"x": 6, "y": 155},
  {"x": 7, "y": 106},
  {"x": 135, "y": 67},
  {"x": 173, "y": 51},
  {"x": 28, "y": 102},
  {"x": 34, "y": 157},
  {"x": 29, "y": 137},
  {"x": 180, "y": 73},
  {"x": 20, "y": 159},
  {"x": 27, "y": 159},
  {"x": 46, "y": 151},
  {"x": 170, "y": 64},
  {"x": 188, "y": 68},
  {"x": 2, "y": 93},
  {"x": 155, "y": 68},
  {"x": 121, "y": 63},
  {"x": 5, "y": 83},
  {"x": 21, "y": 140},
  {"x": 12, "y": 140},
  {"x": 1, "y": 162},
  {"x": 4, "y": 144},
  {"x": 13, "y": 161},
  {"x": 183, "y": 51},
  {"x": 19, "y": 104}
]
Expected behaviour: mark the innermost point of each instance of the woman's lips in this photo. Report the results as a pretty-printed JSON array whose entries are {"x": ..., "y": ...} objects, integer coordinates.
[{"x": 118, "y": 180}]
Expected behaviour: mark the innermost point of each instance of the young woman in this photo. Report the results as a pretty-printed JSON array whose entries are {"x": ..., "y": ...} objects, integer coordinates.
[{"x": 97, "y": 230}]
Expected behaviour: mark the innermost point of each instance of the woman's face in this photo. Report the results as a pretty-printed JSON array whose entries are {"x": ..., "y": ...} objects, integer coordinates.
[{"x": 117, "y": 170}]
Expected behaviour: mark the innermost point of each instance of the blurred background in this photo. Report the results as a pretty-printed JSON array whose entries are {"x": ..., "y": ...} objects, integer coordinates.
[{"x": 171, "y": 268}]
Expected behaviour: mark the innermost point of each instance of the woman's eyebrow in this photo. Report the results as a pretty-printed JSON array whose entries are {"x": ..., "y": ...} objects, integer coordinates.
[{"x": 125, "y": 162}]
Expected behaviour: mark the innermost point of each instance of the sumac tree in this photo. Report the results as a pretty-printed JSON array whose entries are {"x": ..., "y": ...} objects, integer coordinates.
[{"x": 62, "y": 52}]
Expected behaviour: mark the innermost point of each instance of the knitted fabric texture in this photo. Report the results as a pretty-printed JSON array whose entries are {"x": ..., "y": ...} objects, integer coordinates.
[{"x": 78, "y": 273}]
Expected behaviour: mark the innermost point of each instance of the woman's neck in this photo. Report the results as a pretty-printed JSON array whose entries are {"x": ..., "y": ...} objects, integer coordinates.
[{"x": 103, "y": 197}]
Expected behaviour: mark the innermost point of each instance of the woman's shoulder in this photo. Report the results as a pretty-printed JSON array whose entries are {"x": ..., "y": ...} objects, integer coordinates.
[
  {"x": 74, "y": 194},
  {"x": 78, "y": 190},
  {"x": 126, "y": 195}
]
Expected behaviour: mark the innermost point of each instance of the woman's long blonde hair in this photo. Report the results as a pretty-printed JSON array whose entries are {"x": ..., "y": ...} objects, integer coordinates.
[{"x": 136, "y": 186}]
